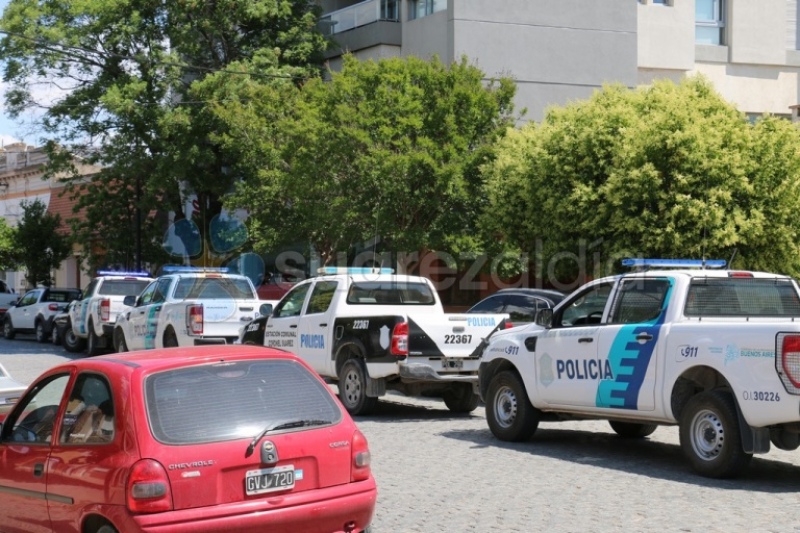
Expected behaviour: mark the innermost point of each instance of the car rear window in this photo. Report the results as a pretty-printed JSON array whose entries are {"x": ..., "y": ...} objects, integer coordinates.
[
  {"x": 234, "y": 400},
  {"x": 123, "y": 287},
  {"x": 61, "y": 296},
  {"x": 750, "y": 297},
  {"x": 390, "y": 293},
  {"x": 214, "y": 289}
]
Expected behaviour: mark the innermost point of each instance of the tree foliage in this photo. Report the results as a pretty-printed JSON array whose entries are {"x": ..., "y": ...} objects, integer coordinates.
[
  {"x": 133, "y": 75},
  {"x": 661, "y": 171},
  {"x": 387, "y": 148},
  {"x": 8, "y": 248},
  {"x": 40, "y": 247}
]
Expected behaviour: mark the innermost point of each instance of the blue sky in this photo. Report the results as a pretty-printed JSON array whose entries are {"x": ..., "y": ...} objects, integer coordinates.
[{"x": 13, "y": 130}]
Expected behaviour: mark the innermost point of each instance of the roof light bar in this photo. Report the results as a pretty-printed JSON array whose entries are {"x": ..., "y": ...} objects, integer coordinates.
[
  {"x": 170, "y": 269},
  {"x": 136, "y": 273},
  {"x": 354, "y": 270},
  {"x": 674, "y": 263}
]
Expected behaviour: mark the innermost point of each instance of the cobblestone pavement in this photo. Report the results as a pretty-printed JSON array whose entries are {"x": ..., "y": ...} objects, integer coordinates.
[{"x": 442, "y": 473}]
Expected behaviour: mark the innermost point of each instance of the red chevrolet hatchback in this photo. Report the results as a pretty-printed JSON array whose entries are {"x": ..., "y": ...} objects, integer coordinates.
[{"x": 212, "y": 438}]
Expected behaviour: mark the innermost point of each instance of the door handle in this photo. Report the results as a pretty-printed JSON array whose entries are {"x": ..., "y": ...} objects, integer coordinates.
[
  {"x": 38, "y": 469},
  {"x": 293, "y": 326},
  {"x": 644, "y": 337},
  {"x": 586, "y": 339},
  {"x": 324, "y": 325}
]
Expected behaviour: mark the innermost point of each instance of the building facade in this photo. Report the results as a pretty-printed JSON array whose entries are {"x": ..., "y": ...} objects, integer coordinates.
[
  {"x": 558, "y": 51},
  {"x": 21, "y": 180}
]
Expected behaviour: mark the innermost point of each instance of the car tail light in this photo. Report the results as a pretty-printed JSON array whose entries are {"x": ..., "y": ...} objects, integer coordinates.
[
  {"x": 53, "y": 307},
  {"x": 740, "y": 274},
  {"x": 105, "y": 310},
  {"x": 148, "y": 488},
  {"x": 400, "y": 339},
  {"x": 507, "y": 324},
  {"x": 790, "y": 358},
  {"x": 360, "y": 469},
  {"x": 194, "y": 319}
]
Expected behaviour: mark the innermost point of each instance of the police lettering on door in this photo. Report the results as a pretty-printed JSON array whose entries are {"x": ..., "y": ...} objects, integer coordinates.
[{"x": 312, "y": 342}]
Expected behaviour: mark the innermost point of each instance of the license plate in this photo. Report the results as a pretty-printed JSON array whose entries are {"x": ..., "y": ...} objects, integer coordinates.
[
  {"x": 453, "y": 364},
  {"x": 269, "y": 480}
]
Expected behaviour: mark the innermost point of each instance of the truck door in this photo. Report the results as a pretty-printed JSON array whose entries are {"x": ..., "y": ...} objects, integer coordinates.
[
  {"x": 568, "y": 367},
  {"x": 282, "y": 327},
  {"x": 27, "y": 310},
  {"x": 316, "y": 339},
  {"x": 140, "y": 333},
  {"x": 630, "y": 343}
]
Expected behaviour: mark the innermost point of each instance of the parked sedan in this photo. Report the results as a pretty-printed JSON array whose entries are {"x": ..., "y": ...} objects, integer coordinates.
[
  {"x": 196, "y": 439},
  {"x": 520, "y": 304}
]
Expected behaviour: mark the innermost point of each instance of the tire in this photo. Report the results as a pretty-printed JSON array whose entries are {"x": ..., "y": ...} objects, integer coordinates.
[
  {"x": 105, "y": 528},
  {"x": 353, "y": 387},
  {"x": 509, "y": 412},
  {"x": 41, "y": 334},
  {"x": 93, "y": 342},
  {"x": 72, "y": 343},
  {"x": 119, "y": 341},
  {"x": 8, "y": 329},
  {"x": 55, "y": 335},
  {"x": 632, "y": 430},
  {"x": 710, "y": 435},
  {"x": 461, "y": 399},
  {"x": 170, "y": 339}
]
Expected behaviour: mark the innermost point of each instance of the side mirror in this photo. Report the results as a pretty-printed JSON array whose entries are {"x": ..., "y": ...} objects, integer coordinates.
[
  {"x": 265, "y": 309},
  {"x": 13, "y": 303},
  {"x": 544, "y": 318},
  {"x": 129, "y": 300}
]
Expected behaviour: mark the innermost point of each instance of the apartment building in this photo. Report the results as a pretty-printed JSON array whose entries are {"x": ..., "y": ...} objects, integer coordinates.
[{"x": 562, "y": 50}]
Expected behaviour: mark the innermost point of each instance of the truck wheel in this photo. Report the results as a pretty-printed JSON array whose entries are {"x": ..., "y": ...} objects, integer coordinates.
[
  {"x": 55, "y": 335},
  {"x": 8, "y": 329},
  {"x": 72, "y": 343},
  {"x": 632, "y": 430},
  {"x": 509, "y": 412},
  {"x": 41, "y": 336},
  {"x": 119, "y": 341},
  {"x": 353, "y": 388},
  {"x": 93, "y": 342},
  {"x": 170, "y": 339},
  {"x": 710, "y": 435},
  {"x": 460, "y": 398}
]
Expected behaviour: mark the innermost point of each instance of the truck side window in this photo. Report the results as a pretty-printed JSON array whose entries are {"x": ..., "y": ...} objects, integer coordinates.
[
  {"x": 585, "y": 308},
  {"x": 640, "y": 300},
  {"x": 292, "y": 303},
  {"x": 321, "y": 297}
]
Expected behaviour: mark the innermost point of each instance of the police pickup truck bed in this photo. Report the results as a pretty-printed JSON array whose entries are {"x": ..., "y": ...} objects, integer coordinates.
[
  {"x": 716, "y": 352},
  {"x": 371, "y": 331}
]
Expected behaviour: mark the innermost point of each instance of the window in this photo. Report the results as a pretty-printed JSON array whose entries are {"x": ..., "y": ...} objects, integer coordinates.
[
  {"x": 421, "y": 8},
  {"x": 640, "y": 300},
  {"x": 213, "y": 288},
  {"x": 321, "y": 297},
  {"x": 585, "y": 308},
  {"x": 292, "y": 303},
  {"x": 35, "y": 422},
  {"x": 390, "y": 293},
  {"x": 752, "y": 297},
  {"x": 709, "y": 16},
  {"x": 89, "y": 418},
  {"x": 122, "y": 287}
]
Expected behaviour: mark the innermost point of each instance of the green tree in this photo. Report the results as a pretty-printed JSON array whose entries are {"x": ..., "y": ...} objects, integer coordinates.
[
  {"x": 7, "y": 246},
  {"x": 388, "y": 147},
  {"x": 134, "y": 102},
  {"x": 661, "y": 171},
  {"x": 40, "y": 247}
]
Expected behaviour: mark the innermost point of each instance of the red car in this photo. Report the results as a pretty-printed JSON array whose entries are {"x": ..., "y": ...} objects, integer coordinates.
[{"x": 200, "y": 439}]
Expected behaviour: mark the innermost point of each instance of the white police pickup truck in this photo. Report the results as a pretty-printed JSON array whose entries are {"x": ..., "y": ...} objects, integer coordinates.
[
  {"x": 370, "y": 330},
  {"x": 716, "y": 352},
  {"x": 187, "y": 306},
  {"x": 92, "y": 318}
]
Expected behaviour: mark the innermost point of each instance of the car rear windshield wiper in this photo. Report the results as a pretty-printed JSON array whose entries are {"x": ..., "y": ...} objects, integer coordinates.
[{"x": 284, "y": 424}]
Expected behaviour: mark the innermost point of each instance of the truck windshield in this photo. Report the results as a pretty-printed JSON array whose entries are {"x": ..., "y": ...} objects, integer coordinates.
[
  {"x": 390, "y": 293},
  {"x": 750, "y": 297},
  {"x": 213, "y": 289}
]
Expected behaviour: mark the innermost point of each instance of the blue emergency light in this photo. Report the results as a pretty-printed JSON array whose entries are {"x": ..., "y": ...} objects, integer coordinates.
[
  {"x": 133, "y": 273},
  {"x": 354, "y": 270},
  {"x": 674, "y": 263},
  {"x": 172, "y": 269}
]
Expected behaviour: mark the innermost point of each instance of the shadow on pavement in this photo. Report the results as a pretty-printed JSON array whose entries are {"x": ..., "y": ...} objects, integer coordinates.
[{"x": 644, "y": 457}]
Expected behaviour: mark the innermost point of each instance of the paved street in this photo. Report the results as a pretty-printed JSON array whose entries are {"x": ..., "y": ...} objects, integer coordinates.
[{"x": 438, "y": 472}]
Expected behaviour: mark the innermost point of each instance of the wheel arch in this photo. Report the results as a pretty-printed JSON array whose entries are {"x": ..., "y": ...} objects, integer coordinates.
[
  {"x": 490, "y": 370},
  {"x": 693, "y": 381},
  {"x": 342, "y": 352},
  {"x": 93, "y": 522}
]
